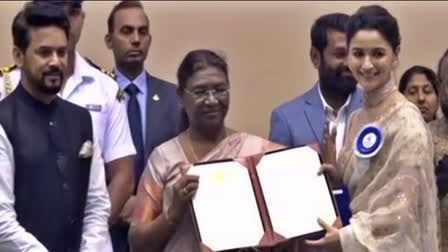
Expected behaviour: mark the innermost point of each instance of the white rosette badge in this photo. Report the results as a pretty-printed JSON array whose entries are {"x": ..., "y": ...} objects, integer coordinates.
[{"x": 367, "y": 144}]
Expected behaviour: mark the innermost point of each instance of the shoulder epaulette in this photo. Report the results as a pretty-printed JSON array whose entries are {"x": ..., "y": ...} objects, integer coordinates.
[
  {"x": 120, "y": 93},
  {"x": 7, "y": 69},
  {"x": 105, "y": 71},
  {"x": 4, "y": 71}
]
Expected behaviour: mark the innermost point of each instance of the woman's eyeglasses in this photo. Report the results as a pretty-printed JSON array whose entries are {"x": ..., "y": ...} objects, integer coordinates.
[{"x": 201, "y": 94}]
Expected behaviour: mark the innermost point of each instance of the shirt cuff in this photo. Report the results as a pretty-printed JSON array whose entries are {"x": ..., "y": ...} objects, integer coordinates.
[{"x": 349, "y": 241}]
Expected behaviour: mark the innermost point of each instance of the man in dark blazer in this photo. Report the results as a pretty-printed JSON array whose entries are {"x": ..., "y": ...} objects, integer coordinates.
[{"x": 153, "y": 111}]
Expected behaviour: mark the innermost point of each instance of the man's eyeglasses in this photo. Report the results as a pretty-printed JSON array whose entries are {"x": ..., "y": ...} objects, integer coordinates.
[{"x": 218, "y": 93}]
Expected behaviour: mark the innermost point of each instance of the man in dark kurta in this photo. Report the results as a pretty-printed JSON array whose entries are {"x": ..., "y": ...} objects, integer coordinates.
[{"x": 53, "y": 195}]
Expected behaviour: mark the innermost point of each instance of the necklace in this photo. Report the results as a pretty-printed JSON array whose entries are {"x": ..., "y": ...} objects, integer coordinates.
[
  {"x": 192, "y": 149},
  {"x": 190, "y": 146}
]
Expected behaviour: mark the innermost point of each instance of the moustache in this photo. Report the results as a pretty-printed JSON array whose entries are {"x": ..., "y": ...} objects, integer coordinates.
[
  {"x": 53, "y": 72},
  {"x": 345, "y": 72}
]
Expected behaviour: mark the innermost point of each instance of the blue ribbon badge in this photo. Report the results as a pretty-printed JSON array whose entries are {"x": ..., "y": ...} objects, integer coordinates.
[
  {"x": 367, "y": 144},
  {"x": 369, "y": 141}
]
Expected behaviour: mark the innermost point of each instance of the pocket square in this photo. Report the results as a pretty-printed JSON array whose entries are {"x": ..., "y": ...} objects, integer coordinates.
[{"x": 86, "y": 150}]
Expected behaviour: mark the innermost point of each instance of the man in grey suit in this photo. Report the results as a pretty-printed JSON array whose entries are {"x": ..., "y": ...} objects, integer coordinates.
[
  {"x": 301, "y": 120},
  {"x": 153, "y": 111}
]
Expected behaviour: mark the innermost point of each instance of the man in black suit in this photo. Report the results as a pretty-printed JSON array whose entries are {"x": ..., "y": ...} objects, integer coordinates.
[{"x": 153, "y": 111}]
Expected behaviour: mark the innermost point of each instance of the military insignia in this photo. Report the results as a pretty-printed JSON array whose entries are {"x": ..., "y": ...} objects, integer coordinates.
[
  {"x": 103, "y": 70},
  {"x": 156, "y": 97},
  {"x": 109, "y": 73},
  {"x": 4, "y": 71},
  {"x": 93, "y": 107},
  {"x": 121, "y": 94},
  {"x": 8, "y": 68}
]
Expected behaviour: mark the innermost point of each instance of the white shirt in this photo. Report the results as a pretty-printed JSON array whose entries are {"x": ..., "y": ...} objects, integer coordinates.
[
  {"x": 14, "y": 238},
  {"x": 95, "y": 91},
  {"x": 337, "y": 120},
  {"x": 90, "y": 88}
]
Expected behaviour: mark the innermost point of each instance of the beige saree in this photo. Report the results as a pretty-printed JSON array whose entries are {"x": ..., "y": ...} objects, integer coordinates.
[{"x": 394, "y": 203}]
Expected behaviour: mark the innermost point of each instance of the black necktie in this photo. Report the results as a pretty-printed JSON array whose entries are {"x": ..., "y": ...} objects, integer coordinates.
[{"x": 135, "y": 123}]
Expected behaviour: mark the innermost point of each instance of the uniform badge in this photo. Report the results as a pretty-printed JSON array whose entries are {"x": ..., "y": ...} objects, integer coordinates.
[
  {"x": 93, "y": 107},
  {"x": 156, "y": 97},
  {"x": 120, "y": 95}
]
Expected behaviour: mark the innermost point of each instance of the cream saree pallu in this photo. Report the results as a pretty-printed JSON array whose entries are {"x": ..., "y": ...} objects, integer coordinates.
[{"x": 394, "y": 201}]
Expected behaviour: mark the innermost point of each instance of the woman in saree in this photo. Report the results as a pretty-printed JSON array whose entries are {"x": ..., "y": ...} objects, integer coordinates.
[
  {"x": 162, "y": 220},
  {"x": 386, "y": 162},
  {"x": 419, "y": 85}
]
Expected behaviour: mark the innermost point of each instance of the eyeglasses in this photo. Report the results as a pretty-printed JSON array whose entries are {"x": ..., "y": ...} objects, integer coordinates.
[{"x": 219, "y": 93}]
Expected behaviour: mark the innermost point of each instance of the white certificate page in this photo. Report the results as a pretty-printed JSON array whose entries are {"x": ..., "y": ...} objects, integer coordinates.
[
  {"x": 225, "y": 207},
  {"x": 295, "y": 195}
]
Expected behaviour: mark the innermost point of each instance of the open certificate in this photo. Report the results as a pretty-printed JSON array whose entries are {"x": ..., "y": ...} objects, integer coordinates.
[{"x": 261, "y": 200}]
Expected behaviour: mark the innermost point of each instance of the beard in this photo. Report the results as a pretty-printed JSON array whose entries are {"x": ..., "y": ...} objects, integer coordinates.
[
  {"x": 339, "y": 81},
  {"x": 51, "y": 81}
]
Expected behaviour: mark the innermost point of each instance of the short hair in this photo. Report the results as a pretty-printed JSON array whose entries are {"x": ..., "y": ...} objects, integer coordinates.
[
  {"x": 321, "y": 27},
  {"x": 36, "y": 16},
  {"x": 120, "y": 6},
  {"x": 375, "y": 17},
  {"x": 197, "y": 60},
  {"x": 73, "y": 3},
  {"x": 439, "y": 66},
  {"x": 407, "y": 76}
]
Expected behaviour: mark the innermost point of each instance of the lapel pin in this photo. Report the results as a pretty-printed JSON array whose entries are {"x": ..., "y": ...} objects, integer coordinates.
[{"x": 155, "y": 97}]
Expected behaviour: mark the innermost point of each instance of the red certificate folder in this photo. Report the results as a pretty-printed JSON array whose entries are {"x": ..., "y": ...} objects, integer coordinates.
[{"x": 261, "y": 200}]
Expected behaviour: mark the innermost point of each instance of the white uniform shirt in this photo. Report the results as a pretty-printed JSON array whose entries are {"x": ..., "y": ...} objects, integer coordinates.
[
  {"x": 337, "y": 120},
  {"x": 15, "y": 238},
  {"x": 95, "y": 91}
]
